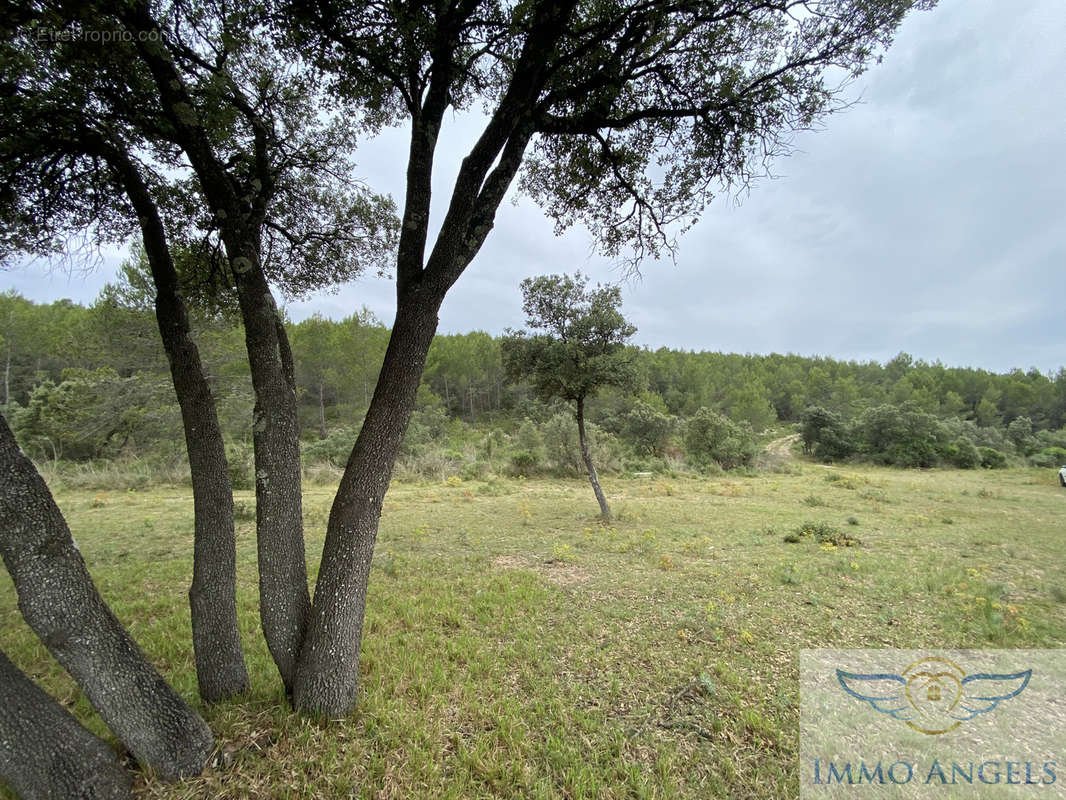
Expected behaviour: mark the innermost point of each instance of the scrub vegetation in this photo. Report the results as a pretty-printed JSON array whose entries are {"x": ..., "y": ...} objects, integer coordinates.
[{"x": 87, "y": 388}]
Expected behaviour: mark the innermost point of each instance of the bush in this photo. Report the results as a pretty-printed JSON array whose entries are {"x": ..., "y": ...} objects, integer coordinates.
[
  {"x": 564, "y": 447},
  {"x": 901, "y": 435},
  {"x": 1052, "y": 439},
  {"x": 434, "y": 464},
  {"x": 995, "y": 438},
  {"x": 712, "y": 438},
  {"x": 531, "y": 453},
  {"x": 428, "y": 426},
  {"x": 822, "y": 533},
  {"x": 963, "y": 454},
  {"x": 646, "y": 429},
  {"x": 825, "y": 435},
  {"x": 992, "y": 458},
  {"x": 1049, "y": 457},
  {"x": 1020, "y": 432},
  {"x": 474, "y": 470},
  {"x": 524, "y": 463},
  {"x": 241, "y": 465},
  {"x": 334, "y": 449},
  {"x": 93, "y": 414}
]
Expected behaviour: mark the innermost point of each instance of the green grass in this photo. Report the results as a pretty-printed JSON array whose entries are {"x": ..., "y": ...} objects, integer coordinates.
[{"x": 516, "y": 647}]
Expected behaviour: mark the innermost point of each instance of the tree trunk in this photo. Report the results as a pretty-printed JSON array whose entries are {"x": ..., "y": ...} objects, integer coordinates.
[
  {"x": 328, "y": 674},
  {"x": 283, "y": 595},
  {"x": 284, "y": 601},
  {"x": 586, "y": 456},
  {"x": 58, "y": 600},
  {"x": 7, "y": 377},
  {"x": 220, "y": 668},
  {"x": 45, "y": 753}
]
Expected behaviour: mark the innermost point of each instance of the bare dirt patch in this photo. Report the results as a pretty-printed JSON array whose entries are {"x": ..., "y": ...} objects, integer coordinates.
[
  {"x": 559, "y": 573},
  {"x": 511, "y": 562}
]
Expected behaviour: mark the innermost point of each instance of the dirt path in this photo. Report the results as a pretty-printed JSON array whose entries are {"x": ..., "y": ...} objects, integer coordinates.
[{"x": 782, "y": 448}]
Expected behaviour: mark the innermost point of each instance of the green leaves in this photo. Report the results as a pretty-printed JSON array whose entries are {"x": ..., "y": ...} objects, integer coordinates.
[
  {"x": 710, "y": 437},
  {"x": 95, "y": 413},
  {"x": 577, "y": 339}
]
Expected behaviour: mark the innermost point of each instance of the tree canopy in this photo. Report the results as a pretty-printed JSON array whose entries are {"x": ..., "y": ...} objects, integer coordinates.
[{"x": 576, "y": 341}]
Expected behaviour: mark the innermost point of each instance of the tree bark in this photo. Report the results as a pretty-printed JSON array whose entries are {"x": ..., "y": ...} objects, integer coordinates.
[
  {"x": 284, "y": 601},
  {"x": 58, "y": 600},
  {"x": 45, "y": 754},
  {"x": 328, "y": 673},
  {"x": 220, "y": 668},
  {"x": 586, "y": 456}
]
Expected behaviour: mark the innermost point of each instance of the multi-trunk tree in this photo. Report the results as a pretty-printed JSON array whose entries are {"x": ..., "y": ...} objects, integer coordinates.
[
  {"x": 625, "y": 117},
  {"x": 84, "y": 142}
]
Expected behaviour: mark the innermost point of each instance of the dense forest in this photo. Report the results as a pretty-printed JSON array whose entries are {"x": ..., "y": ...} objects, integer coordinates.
[{"x": 85, "y": 384}]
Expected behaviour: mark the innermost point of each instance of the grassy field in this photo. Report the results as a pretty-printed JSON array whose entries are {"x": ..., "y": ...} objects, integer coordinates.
[{"x": 516, "y": 647}]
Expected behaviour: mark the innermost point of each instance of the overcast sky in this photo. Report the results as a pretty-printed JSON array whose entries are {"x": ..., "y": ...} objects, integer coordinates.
[{"x": 930, "y": 218}]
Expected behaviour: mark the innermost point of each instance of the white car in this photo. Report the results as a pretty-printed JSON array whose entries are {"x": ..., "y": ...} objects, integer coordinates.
[{"x": 1062, "y": 476}]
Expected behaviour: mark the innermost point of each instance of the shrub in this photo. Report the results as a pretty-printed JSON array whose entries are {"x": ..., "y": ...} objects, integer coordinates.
[
  {"x": 564, "y": 449},
  {"x": 822, "y": 533},
  {"x": 531, "y": 453},
  {"x": 334, "y": 449},
  {"x": 1052, "y": 439},
  {"x": 1049, "y": 457},
  {"x": 1020, "y": 432},
  {"x": 712, "y": 438},
  {"x": 241, "y": 465},
  {"x": 963, "y": 454},
  {"x": 431, "y": 464},
  {"x": 901, "y": 435},
  {"x": 524, "y": 463},
  {"x": 825, "y": 435},
  {"x": 93, "y": 414},
  {"x": 428, "y": 426},
  {"x": 992, "y": 458},
  {"x": 646, "y": 429}
]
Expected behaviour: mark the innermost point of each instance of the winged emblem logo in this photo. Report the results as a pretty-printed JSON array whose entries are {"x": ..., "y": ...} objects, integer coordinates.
[{"x": 933, "y": 695}]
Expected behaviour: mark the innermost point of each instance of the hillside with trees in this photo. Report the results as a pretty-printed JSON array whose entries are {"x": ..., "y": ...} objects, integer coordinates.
[{"x": 83, "y": 384}]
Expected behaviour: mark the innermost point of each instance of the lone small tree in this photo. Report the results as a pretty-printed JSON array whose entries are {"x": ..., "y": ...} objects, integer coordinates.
[{"x": 578, "y": 345}]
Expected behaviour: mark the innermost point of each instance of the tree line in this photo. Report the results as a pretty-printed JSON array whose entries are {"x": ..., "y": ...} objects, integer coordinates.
[{"x": 91, "y": 382}]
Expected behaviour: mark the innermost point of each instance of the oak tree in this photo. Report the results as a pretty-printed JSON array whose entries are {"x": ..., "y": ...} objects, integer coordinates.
[
  {"x": 575, "y": 345},
  {"x": 623, "y": 116}
]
